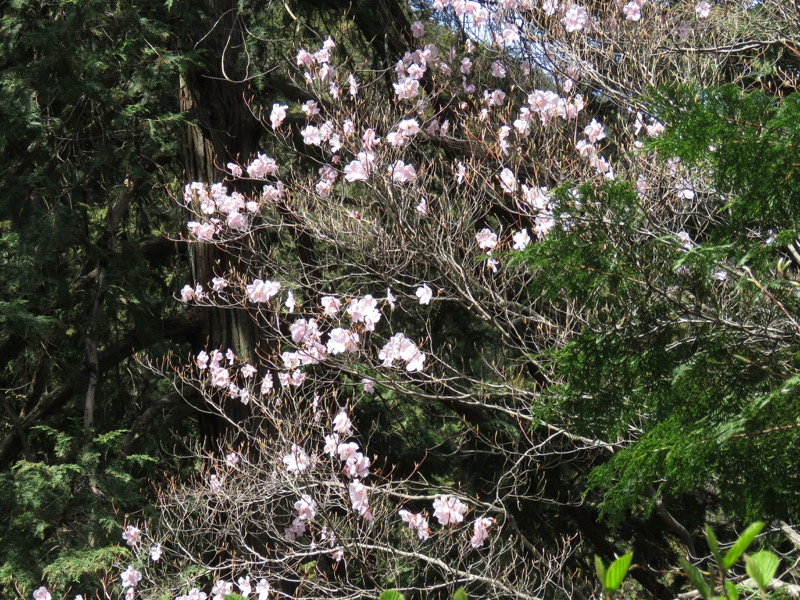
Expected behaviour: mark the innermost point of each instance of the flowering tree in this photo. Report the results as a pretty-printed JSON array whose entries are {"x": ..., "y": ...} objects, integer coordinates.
[{"x": 504, "y": 259}]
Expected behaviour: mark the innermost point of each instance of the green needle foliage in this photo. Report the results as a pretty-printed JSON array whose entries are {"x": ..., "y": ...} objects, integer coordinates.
[{"x": 695, "y": 374}]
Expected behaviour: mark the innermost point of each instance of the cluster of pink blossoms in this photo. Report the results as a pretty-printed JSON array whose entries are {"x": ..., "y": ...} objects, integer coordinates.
[
  {"x": 356, "y": 468},
  {"x": 223, "y": 588},
  {"x": 448, "y": 511},
  {"x": 400, "y": 348},
  {"x": 594, "y": 132}
]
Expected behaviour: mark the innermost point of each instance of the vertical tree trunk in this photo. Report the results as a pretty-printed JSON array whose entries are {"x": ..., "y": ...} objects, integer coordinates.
[{"x": 222, "y": 129}]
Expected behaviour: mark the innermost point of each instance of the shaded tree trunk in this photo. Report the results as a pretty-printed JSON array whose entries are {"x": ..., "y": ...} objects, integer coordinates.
[{"x": 222, "y": 129}]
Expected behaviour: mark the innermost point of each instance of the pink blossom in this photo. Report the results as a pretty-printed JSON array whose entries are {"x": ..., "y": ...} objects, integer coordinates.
[
  {"x": 221, "y": 589},
  {"x": 297, "y": 460},
  {"x": 406, "y": 88},
  {"x": 267, "y": 384},
  {"x": 263, "y": 589},
  {"x": 357, "y": 466},
  {"x": 331, "y": 444},
  {"x": 359, "y": 497},
  {"x": 304, "y": 58},
  {"x": 480, "y": 531},
  {"x": 296, "y": 378},
  {"x": 496, "y": 98},
  {"x": 347, "y": 450},
  {"x": 543, "y": 224},
  {"x": 235, "y": 169},
  {"x": 416, "y": 522},
  {"x": 330, "y": 305},
  {"x": 550, "y": 7},
  {"x": 521, "y": 239},
  {"x": 244, "y": 586},
  {"x": 399, "y": 347},
  {"x": 416, "y": 362},
  {"x": 218, "y": 284},
  {"x": 277, "y": 115},
  {"x": 424, "y": 293},
  {"x": 486, "y": 239},
  {"x": 132, "y": 535},
  {"x": 342, "y": 340},
  {"x": 303, "y": 331},
  {"x": 370, "y": 139},
  {"x": 130, "y": 577},
  {"x": 290, "y": 303},
  {"x": 311, "y": 135},
  {"x": 408, "y": 127},
  {"x": 402, "y": 173},
  {"x": 594, "y": 131},
  {"x": 364, "y": 310},
  {"x": 703, "y": 10},
  {"x": 509, "y": 36},
  {"x": 155, "y": 552},
  {"x": 585, "y": 148},
  {"x": 417, "y": 29},
  {"x": 449, "y": 510},
  {"x": 238, "y": 221},
  {"x": 356, "y": 171},
  {"x": 273, "y": 193},
  {"x": 369, "y": 385},
  {"x": 187, "y": 293},
  {"x": 508, "y": 181},
  {"x": 575, "y": 18},
  {"x": 632, "y": 11},
  {"x": 310, "y": 108},
  {"x": 261, "y": 167},
  {"x": 342, "y": 424},
  {"x": 353, "y": 83},
  {"x": 202, "y": 231},
  {"x": 655, "y": 130},
  {"x": 42, "y": 594},
  {"x": 498, "y": 70},
  {"x": 306, "y": 508},
  {"x": 262, "y": 291},
  {"x": 248, "y": 371}
]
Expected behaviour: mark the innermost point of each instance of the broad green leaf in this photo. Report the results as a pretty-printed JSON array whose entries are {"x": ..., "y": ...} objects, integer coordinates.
[
  {"x": 460, "y": 594},
  {"x": 616, "y": 572},
  {"x": 744, "y": 541},
  {"x": 762, "y": 566},
  {"x": 696, "y": 577},
  {"x": 391, "y": 595},
  {"x": 601, "y": 570}
]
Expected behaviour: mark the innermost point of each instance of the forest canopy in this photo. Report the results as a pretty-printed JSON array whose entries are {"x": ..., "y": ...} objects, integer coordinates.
[{"x": 323, "y": 299}]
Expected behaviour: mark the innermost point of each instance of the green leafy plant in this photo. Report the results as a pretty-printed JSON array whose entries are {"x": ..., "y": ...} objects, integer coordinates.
[
  {"x": 611, "y": 578},
  {"x": 761, "y": 566}
]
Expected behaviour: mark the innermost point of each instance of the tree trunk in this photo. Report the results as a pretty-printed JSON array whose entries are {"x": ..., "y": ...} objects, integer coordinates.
[{"x": 222, "y": 129}]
